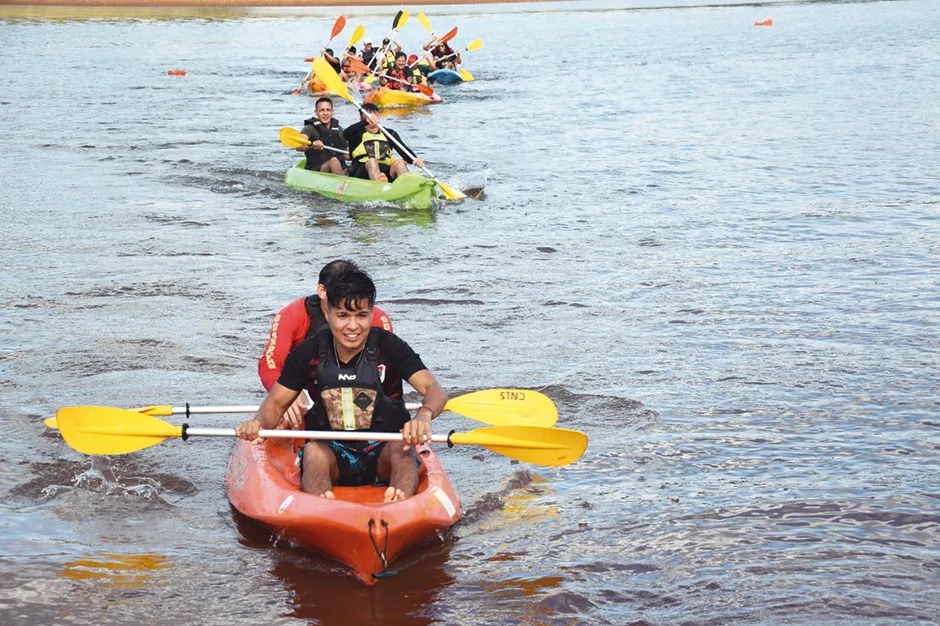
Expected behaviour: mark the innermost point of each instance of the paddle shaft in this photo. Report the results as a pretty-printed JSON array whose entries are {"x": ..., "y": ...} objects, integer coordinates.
[
  {"x": 354, "y": 435},
  {"x": 236, "y": 408},
  {"x": 397, "y": 23},
  {"x": 335, "y": 435},
  {"x": 399, "y": 145}
]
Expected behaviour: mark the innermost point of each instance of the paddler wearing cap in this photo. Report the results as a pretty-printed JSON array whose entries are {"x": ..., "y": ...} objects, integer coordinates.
[
  {"x": 368, "y": 53},
  {"x": 391, "y": 48}
]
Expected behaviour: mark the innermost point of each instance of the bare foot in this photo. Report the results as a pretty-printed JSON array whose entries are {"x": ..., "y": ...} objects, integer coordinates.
[
  {"x": 329, "y": 495},
  {"x": 393, "y": 494},
  {"x": 382, "y": 178}
]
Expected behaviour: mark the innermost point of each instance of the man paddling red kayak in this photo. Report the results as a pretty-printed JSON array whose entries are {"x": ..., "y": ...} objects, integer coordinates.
[
  {"x": 297, "y": 321},
  {"x": 354, "y": 374}
]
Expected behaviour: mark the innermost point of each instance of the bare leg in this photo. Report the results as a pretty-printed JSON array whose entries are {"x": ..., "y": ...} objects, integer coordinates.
[
  {"x": 372, "y": 167},
  {"x": 400, "y": 468},
  {"x": 320, "y": 470},
  {"x": 333, "y": 166},
  {"x": 398, "y": 168}
]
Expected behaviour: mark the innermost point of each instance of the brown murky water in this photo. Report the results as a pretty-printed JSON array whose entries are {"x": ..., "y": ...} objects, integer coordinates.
[{"x": 713, "y": 245}]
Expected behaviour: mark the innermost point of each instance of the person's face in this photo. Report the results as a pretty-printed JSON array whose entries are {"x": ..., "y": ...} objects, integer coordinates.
[
  {"x": 368, "y": 46},
  {"x": 325, "y": 112},
  {"x": 400, "y": 62},
  {"x": 350, "y": 324}
]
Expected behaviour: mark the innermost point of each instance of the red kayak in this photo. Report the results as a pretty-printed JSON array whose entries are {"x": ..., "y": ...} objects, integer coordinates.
[{"x": 356, "y": 528}]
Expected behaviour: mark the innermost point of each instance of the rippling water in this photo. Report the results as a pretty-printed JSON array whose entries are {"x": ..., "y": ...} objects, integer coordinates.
[{"x": 715, "y": 246}]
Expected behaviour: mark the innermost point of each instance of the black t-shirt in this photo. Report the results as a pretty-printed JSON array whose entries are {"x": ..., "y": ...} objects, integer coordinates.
[{"x": 395, "y": 357}]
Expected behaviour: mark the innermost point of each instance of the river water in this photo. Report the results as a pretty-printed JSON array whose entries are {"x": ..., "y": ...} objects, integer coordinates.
[{"x": 713, "y": 245}]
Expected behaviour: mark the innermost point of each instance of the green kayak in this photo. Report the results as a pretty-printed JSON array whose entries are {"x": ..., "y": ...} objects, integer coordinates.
[{"x": 410, "y": 190}]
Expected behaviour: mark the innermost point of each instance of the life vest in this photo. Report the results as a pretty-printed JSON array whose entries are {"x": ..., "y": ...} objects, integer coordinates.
[
  {"x": 421, "y": 74},
  {"x": 374, "y": 145},
  {"x": 351, "y": 398},
  {"x": 315, "y": 315},
  {"x": 332, "y": 136},
  {"x": 401, "y": 77}
]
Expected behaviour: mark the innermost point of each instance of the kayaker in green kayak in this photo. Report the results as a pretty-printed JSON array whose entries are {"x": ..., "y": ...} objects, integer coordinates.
[
  {"x": 354, "y": 372},
  {"x": 324, "y": 132},
  {"x": 372, "y": 151}
]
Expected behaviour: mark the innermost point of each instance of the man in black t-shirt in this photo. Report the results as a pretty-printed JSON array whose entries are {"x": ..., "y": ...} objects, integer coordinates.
[{"x": 354, "y": 374}]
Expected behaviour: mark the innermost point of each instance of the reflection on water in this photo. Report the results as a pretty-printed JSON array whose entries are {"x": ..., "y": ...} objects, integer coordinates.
[
  {"x": 127, "y": 571},
  {"x": 328, "y": 593}
]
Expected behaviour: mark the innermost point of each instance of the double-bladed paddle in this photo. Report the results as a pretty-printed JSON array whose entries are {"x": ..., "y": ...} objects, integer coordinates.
[
  {"x": 400, "y": 18},
  {"x": 447, "y": 37},
  {"x": 333, "y": 83},
  {"x": 293, "y": 138},
  {"x": 497, "y": 407},
  {"x": 106, "y": 430}
]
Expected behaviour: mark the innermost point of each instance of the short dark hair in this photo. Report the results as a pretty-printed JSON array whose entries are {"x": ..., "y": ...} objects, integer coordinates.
[
  {"x": 371, "y": 108},
  {"x": 400, "y": 54},
  {"x": 335, "y": 267},
  {"x": 323, "y": 99},
  {"x": 352, "y": 287}
]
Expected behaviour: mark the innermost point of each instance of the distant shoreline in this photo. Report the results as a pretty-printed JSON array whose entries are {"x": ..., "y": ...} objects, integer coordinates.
[{"x": 240, "y": 3}]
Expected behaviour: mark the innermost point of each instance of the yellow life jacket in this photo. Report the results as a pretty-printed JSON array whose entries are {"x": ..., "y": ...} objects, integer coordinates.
[{"x": 373, "y": 145}]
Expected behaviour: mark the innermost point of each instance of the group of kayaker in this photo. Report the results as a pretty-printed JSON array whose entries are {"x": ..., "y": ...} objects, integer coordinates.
[
  {"x": 338, "y": 345},
  {"x": 394, "y": 68},
  {"x": 363, "y": 143}
]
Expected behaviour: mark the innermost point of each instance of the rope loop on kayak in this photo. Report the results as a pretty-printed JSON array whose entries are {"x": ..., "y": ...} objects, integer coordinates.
[{"x": 385, "y": 573}]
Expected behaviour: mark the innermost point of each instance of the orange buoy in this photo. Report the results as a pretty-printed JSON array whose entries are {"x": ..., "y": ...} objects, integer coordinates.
[
  {"x": 176, "y": 72},
  {"x": 767, "y": 22}
]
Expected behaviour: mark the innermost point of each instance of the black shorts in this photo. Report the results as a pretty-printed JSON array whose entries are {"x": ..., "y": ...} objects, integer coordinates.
[
  {"x": 358, "y": 170},
  {"x": 358, "y": 461},
  {"x": 319, "y": 157}
]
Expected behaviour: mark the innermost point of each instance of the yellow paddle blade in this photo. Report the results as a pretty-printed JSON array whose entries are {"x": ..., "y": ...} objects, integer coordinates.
[
  {"x": 424, "y": 22},
  {"x": 532, "y": 444},
  {"x": 506, "y": 407},
  {"x": 292, "y": 138},
  {"x": 476, "y": 44},
  {"x": 330, "y": 78},
  {"x": 161, "y": 409},
  {"x": 449, "y": 192},
  {"x": 356, "y": 36},
  {"x": 369, "y": 79},
  {"x": 105, "y": 430},
  {"x": 402, "y": 18},
  {"x": 465, "y": 75}
]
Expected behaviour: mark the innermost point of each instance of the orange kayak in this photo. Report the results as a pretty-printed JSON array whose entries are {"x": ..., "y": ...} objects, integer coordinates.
[{"x": 357, "y": 528}]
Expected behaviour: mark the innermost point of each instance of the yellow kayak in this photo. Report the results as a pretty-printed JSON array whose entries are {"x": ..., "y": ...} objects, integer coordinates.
[{"x": 386, "y": 97}]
